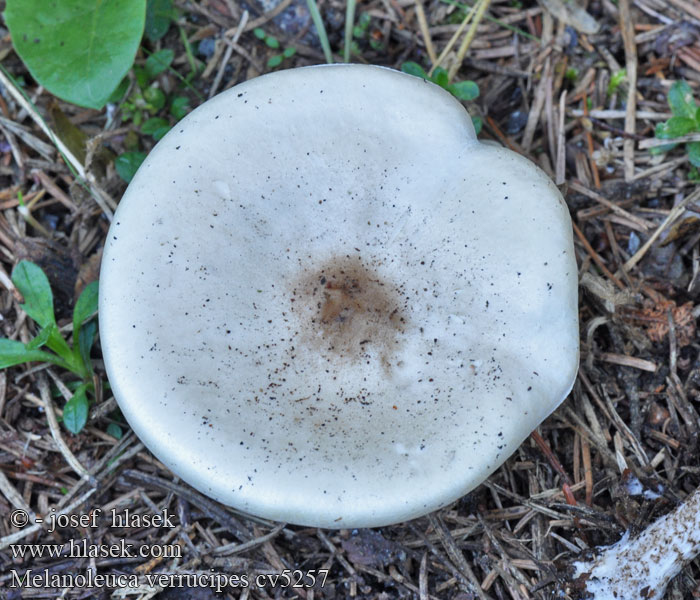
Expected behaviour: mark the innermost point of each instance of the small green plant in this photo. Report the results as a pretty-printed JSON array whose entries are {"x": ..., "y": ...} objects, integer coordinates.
[
  {"x": 362, "y": 32},
  {"x": 34, "y": 286},
  {"x": 462, "y": 90},
  {"x": 144, "y": 102},
  {"x": 685, "y": 120},
  {"x": 272, "y": 42},
  {"x": 616, "y": 80},
  {"x": 571, "y": 75},
  {"x": 148, "y": 99}
]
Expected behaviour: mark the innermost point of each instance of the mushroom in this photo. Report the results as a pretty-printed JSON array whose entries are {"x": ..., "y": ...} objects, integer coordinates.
[{"x": 324, "y": 302}]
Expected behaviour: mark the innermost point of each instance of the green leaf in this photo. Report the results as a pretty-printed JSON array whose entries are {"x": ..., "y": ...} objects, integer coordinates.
[
  {"x": 179, "y": 107},
  {"x": 159, "y": 61},
  {"x": 86, "y": 337},
  {"x": 464, "y": 90},
  {"x": 274, "y": 61},
  {"x": 680, "y": 99},
  {"x": 86, "y": 306},
  {"x": 141, "y": 76},
  {"x": 154, "y": 97},
  {"x": 75, "y": 412},
  {"x": 272, "y": 42},
  {"x": 156, "y": 127},
  {"x": 42, "y": 337},
  {"x": 114, "y": 430},
  {"x": 259, "y": 33},
  {"x": 34, "y": 286},
  {"x": 128, "y": 163},
  {"x": 159, "y": 14},
  {"x": 289, "y": 52},
  {"x": 440, "y": 77},
  {"x": 694, "y": 153},
  {"x": 77, "y": 50},
  {"x": 656, "y": 150},
  {"x": 675, "y": 127},
  {"x": 14, "y": 353},
  {"x": 478, "y": 123},
  {"x": 415, "y": 69}
]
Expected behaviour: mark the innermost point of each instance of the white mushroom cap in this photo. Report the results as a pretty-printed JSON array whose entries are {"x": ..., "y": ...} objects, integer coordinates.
[{"x": 324, "y": 302}]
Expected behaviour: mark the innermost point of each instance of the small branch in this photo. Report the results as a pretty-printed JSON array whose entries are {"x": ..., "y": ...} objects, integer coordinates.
[
  {"x": 425, "y": 32},
  {"x": 644, "y": 566},
  {"x": 627, "y": 28},
  {"x": 654, "y": 142},
  {"x": 675, "y": 213}
]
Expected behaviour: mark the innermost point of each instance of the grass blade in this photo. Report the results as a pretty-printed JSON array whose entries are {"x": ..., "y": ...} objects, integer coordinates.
[
  {"x": 349, "y": 24},
  {"x": 320, "y": 29}
]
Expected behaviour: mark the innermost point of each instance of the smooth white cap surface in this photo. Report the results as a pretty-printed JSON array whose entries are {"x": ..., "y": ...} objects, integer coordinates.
[{"x": 322, "y": 301}]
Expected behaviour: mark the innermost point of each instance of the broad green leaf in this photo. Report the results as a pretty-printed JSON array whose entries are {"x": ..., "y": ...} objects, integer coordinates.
[
  {"x": 14, "y": 353},
  {"x": 85, "y": 306},
  {"x": 464, "y": 90},
  {"x": 34, "y": 286},
  {"x": 77, "y": 49},
  {"x": 128, "y": 163},
  {"x": 75, "y": 412},
  {"x": 694, "y": 153},
  {"x": 680, "y": 99},
  {"x": 42, "y": 337},
  {"x": 159, "y": 15},
  {"x": 415, "y": 69},
  {"x": 675, "y": 127},
  {"x": 259, "y": 33},
  {"x": 159, "y": 61},
  {"x": 289, "y": 52}
]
